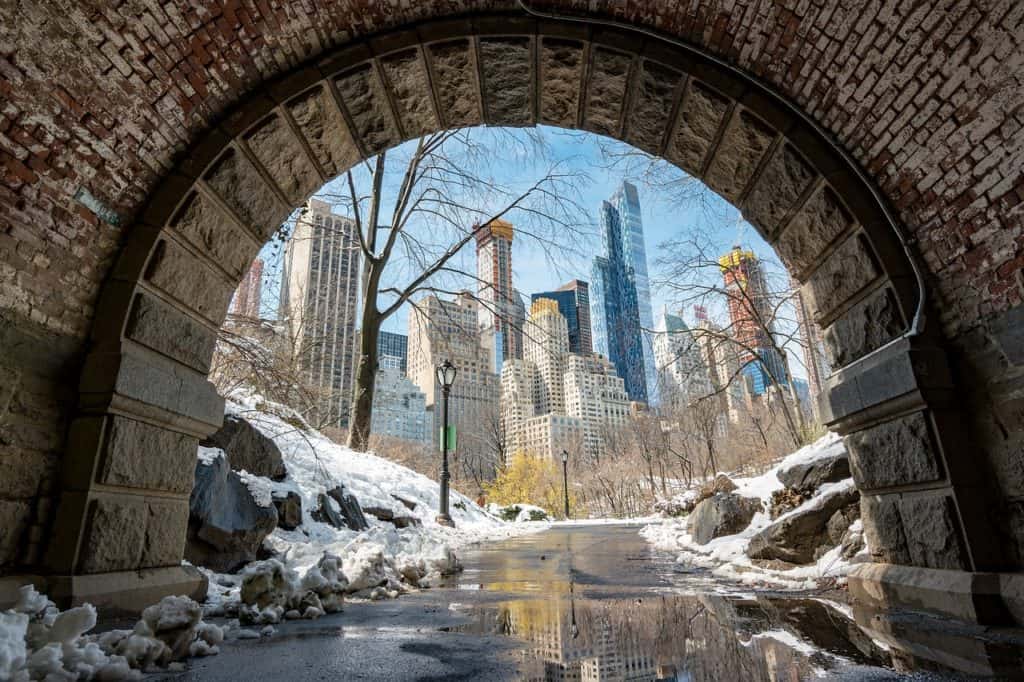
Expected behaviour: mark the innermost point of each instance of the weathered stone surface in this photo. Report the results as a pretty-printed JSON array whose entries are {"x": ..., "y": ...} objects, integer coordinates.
[
  {"x": 175, "y": 271},
  {"x": 744, "y": 142},
  {"x": 899, "y": 452},
  {"x": 653, "y": 98},
  {"x": 811, "y": 475},
  {"x": 240, "y": 186},
  {"x": 406, "y": 522},
  {"x": 247, "y": 448},
  {"x": 157, "y": 325},
  {"x": 783, "y": 181},
  {"x": 349, "y": 507},
  {"x": 561, "y": 72},
  {"x": 140, "y": 455},
  {"x": 116, "y": 535},
  {"x": 214, "y": 234},
  {"x": 454, "y": 68},
  {"x": 700, "y": 117},
  {"x": 163, "y": 383},
  {"x": 609, "y": 75},
  {"x": 285, "y": 160},
  {"x": 864, "y": 327},
  {"x": 821, "y": 220},
  {"x": 408, "y": 504},
  {"x": 933, "y": 540},
  {"x": 794, "y": 537},
  {"x": 380, "y": 513},
  {"x": 507, "y": 81},
  {"x": 23, "y": 470},
  {"x": 226, "y": 527},
  {"x": 850, "y": 268},
  {"x": 407, "y": 76},
  {"x": 14, "y": 519},
  {"x": 362, "y": 94},
  {"x": 839, "y": 523},
  {"x": 166, "y": 529},
  {"x": 721, "y": 514},
  {"x": 324, "y": 128},
  {"x": 289, "y": 510},
  {"x": 883, "y": 529}
]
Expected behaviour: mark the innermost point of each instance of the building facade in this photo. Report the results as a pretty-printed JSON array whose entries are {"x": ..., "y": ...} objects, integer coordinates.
[
  {"x": 614, "y": 313},
  {"x": 546, "y": 344},
  {"x": 501, "y": 310},
  {"x": 320, "y": 301},
  {"x": 682, "y": 374},
  {"x": 573, "y": 301},
  {"x": 596, "y": 395},
  {"x": 246, "y": 302},
  {"x": 815, "y": 359},
  {"x": 393, "y": 351},
  {"x": 400, "y": 407}
]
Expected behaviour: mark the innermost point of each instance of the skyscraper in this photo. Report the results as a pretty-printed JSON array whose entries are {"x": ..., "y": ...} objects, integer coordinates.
[
  {"x": 393, "y": 351},
  {"x": 400, "y": 408},
  {"x": 614, "y": 316},
  {"x": 501, "y": 309},
  {"x": 247, "y": 297},
  {"x": 320, "y": 301},
  {"x": 682, "y": 374},
  {"x": 573, "y": 301},
  {"x": 814, "y": 351},
  {"x": 752, "y": 317},
  {"x": 546, "y": 347},
  {"x": 634, "y": 253}
]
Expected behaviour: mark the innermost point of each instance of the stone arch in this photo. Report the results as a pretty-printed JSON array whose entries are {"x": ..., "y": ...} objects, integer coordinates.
[{"x": 122, "y": 511}]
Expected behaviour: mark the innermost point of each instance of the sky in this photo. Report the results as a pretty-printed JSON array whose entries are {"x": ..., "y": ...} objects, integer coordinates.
[{"x": 674, "y": 207}]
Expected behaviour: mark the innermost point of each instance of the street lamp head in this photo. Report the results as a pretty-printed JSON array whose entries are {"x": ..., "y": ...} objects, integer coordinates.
[
  {"x": 446, "y": 374},
  {"x": 565, "y": 456}
]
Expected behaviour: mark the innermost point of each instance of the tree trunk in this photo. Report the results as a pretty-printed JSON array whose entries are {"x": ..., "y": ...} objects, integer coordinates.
[{"x": 361, "y": 416}]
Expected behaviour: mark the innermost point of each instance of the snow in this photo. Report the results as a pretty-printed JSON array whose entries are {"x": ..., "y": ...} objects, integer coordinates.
[
  {"x": 726, "y": 556},
  {"x": 13, "y": 627},
  {"x": 261, "y": 488}
]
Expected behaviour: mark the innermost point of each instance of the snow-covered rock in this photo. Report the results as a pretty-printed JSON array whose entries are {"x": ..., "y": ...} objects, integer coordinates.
[
  {"x": 721, "y": 514},
  {"x": 795, "y": 536},
  {"x": 247, "y": 448},
  {"x": 810, "y": 474}
]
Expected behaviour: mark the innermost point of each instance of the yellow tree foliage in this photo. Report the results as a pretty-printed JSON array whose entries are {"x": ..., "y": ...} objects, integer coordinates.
[{"x": 530, "y": 480}]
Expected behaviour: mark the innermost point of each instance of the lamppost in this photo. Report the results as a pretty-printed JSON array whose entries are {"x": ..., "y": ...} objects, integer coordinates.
[
  {"x": 446, "y": 377},
  {"x": 565, "y": 480}
]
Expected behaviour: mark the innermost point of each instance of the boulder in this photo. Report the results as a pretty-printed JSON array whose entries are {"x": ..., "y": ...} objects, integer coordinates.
[
  {"x": 721, "y": 514},
  {"x": 226, "y": 526},
  {"x": 247, "y": 448},
  {"x": 795, "y": 537},
  {"x": 406, "y": 522},
  {"x": 840, "y": 522},
  {"x": 289, "y": 510},
  {"x": 408, "y": 504},
  {"x": 340, "y": 510},
  {"x": 380, "y": 513},
  {"x": 811, "y": 475}
]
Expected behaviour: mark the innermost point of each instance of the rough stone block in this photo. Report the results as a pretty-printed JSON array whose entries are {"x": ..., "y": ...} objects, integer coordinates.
[
  {"x": 14, "y": 520},
  {"x": 407, "y": 76},
  {"x": 781, "y": 183},
  {"x": 279, "y": 151},
  {"x": 205, "y": 227},
  {"x": 324, "y": 128},
  {"x": 166, "y": 529},
  {"x": 899, "y": 452},
  {"x": 609, "y": 79},
  {"x": 745, "y": 141},
  {"x": 821, "y": 220},
  {"x": 883, "y": 529},
  {"x": 115, "y": 535},
  {"x": 157, "y": 325},
  {"x": 507, "y": 81},
  {"x": 651, "y": 107},
  {"x": 700, "y": 117},
  {"x": 367, "y": 104},
  {"x": 933, "y": 538},
  {"x": 561, "y": 73},
  {"x": 176, "y": 272},
  {"x": 140, "y": 455},
  {"x": 170, "y": 386},
  {"x": 23, "y": 470},
  {"x": 850, "y": 268},
  {"x": 863, "y": 328},
  {"x": 241, "y": 187},
  {"x": 455, "y": 82}
]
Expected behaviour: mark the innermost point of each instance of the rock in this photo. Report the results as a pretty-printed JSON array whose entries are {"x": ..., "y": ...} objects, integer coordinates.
[
  {"x": 408, "y": 504},
  {"x": 721, "y": 514},
  {"x": 289, "y": 510},
  {"x": 226, "y": 527},
  {"x": 796, "y": 536},
  {"x": 247, "y": 449},
  {"x": 811, "y": 475},
  {"x": 406, "y": 522},
  {"x": 840, "y": 522},
  {"x": 326, "y": 512},
  {"x": 350, "y": 509},
  {"x": 851, "y": 543},
  {"x": 381, "y": 513},
  {"x": 786, "y": 500}
]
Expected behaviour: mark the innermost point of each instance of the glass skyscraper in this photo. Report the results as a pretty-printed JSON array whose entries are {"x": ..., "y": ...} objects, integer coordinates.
[
  {"x": 627, "y": 202},
  {"x": 614, "y": 314},
  {"x": 573, "y": 301},
  {"x": 393, "y": 351}
]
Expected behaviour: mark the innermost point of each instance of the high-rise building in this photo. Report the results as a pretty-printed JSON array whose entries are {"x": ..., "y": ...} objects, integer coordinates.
[
  {"x": 546, "y": 342},
  {"x": 573, "y": 301},
  {"x": 815, "y": 359},
  {"x": 246, "y": 302},
  {"x": 501, "y": 309},
  {"x": 614, "y": 316},
  {"x": 393, "y": 351},
  {"x": 752, "y": 317},
  {"x": 400, "y": 407},
  {"x": 320, "y": 301},
  {"x": 634, "y": 253},
  {"x": 722, "y": 360},
  {"x": 595, "y": 395},
  {"x": 682, "y": 374},
  {"x": 442, "y": 330}
]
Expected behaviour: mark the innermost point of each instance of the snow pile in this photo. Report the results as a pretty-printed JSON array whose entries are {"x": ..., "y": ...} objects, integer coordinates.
[
  {"x": 382, "y": 560},
  {"x": 39, "y": 642},
  {"x": 519, "y": 512},
  {"x": 726, "y": 556}
]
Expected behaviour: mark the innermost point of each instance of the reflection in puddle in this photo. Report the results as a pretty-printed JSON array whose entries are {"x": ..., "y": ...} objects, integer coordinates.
[{"x": 676, "y": 637}]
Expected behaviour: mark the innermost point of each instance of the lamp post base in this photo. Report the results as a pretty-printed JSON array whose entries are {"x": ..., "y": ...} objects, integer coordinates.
[{"x": 445, "y": 520}]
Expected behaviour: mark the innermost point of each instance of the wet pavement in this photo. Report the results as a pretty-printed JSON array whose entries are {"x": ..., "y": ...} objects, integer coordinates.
[{"x": 578, "y": 602}]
